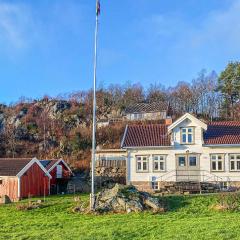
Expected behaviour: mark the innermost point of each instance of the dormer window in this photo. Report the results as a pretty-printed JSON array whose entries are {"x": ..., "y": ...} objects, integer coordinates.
[{"x": 187, "y": 135}]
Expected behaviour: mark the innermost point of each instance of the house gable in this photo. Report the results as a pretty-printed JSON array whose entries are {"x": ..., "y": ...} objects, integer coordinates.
[
  {"x": 60, "y": 161},
  {"x": 185, "y": 122},
  {"x": 34, "y": 160}
]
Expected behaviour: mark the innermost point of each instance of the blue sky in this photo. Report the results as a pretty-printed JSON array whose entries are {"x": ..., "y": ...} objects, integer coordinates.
[{"x": 46, "y": 46}]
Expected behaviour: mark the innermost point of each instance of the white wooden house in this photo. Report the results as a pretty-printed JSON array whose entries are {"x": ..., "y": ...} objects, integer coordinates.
[{"x": 188, "y": 150}]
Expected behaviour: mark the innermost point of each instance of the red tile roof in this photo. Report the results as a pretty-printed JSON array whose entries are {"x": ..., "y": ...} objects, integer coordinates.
[
  {"x": 146, "y": 136},
  {"x": 227, "y": 132},
  {"x": 12, "y": 166}
]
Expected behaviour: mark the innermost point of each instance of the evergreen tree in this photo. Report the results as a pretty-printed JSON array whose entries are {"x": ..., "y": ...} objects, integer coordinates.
[{"x": 229, "y": 86}]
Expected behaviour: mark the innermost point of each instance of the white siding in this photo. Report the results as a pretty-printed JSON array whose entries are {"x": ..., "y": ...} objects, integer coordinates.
[{"x": 170, "y": 175}]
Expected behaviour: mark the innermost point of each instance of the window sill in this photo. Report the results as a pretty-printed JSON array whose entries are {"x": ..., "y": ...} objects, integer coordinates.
[
  {"x": 187, "y": 143},
  {"x": 218, "y": 171}
]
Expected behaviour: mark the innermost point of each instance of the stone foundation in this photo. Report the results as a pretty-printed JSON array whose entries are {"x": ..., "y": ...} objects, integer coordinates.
[
  {"x": 144, "y": 186},
  {"x": 174, "y": 186},
  {"x": 110, "y": 171}
]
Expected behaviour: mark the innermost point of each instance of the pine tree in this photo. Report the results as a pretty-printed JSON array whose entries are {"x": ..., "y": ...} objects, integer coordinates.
[{"x": 229, "y": 85}]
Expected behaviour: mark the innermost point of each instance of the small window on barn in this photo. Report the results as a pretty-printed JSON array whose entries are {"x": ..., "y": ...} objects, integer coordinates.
[
  {"x": 1, "y": 181},
  {"x": 59, "y": 171}
]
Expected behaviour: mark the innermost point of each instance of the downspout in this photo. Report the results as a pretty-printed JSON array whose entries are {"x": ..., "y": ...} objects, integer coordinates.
[{"x": 19, "y": 188}]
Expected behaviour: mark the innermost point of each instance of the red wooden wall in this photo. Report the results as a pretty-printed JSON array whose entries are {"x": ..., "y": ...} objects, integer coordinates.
[
  {"x": 65, "y": 173},
  {"x": 34, "y": 182}
]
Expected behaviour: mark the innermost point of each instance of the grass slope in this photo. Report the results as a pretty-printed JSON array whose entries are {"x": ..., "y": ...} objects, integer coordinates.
[{"x": 189, "y": 217}]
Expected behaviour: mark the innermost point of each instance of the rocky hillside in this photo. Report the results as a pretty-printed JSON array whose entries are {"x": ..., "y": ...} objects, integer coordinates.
[{"x": 52, "y": 128}]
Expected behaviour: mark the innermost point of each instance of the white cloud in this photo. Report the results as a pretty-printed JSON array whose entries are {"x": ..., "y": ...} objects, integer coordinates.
[
  {"x": 23, "y": 26},
  {"x": 16, "y": 25},
  {"x": 221, "y": 27},
  {"x": 217, "y": 28}
]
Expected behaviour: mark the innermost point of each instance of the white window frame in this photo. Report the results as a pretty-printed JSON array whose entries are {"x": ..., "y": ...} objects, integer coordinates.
[
  {"x": 155, "y": 185},
  {"x": 217, "y": 160},
  {"x": 142, "y": 159},
  {"x": 187, "y": 133},
  {"x": 234, "y": 157},
  {"x": 161, "y": 159},
  {"x": 195, "y": 156},
  {"x": 185, "y": 162}
]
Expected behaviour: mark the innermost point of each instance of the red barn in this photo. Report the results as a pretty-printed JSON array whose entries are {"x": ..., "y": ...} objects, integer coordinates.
[
  {"x": 21, "y": 178},
  {"x": 60, "y": 173}
]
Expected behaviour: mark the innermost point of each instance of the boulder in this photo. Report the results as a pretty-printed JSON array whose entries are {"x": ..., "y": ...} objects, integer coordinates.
[
  {"x": 121, "y": 198},
  {"x": 154, "y": 204}
]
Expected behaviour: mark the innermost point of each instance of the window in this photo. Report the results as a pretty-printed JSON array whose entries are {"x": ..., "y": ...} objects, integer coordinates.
[
  {"x": 217, "y": 163},
  {"x": 192, "y": 161},
  {"x": 234, "y": 162},
  {"x": 159, "y": 163},
  {"x": 187, "y": 135},
  {"x": 142, "y": 163},
  {"x": 182, "y": 161},
  {"x": 1, "y": 181},
  {"x": 155, "y": 185},
  {"x": 59, "y": 171},
  {"x": 135, "y": 116},
  {"x": 138, "y": 116}
]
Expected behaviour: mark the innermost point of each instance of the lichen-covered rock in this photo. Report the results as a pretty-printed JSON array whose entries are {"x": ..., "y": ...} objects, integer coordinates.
[
  {"x": 121, "y": 198},
  {"x": 154, "y": 204}
]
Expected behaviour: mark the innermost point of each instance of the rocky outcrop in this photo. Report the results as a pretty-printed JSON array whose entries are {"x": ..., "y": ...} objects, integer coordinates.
[
  {"x": 110, "y": 171},
  {"x": 127, "y": 199}
]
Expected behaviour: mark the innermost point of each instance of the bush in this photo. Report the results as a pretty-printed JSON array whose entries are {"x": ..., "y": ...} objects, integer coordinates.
[{"x": 228, "y": 201}]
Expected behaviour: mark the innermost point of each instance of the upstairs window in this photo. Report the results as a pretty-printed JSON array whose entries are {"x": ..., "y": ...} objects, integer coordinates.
[
  {"x": 187, "y": 135},
  {"x": 234, "y": 162},
  {"x": 159, "y": 163},
  {"x": 142, "y": 163},
  {"x": 217, "y": 162}
]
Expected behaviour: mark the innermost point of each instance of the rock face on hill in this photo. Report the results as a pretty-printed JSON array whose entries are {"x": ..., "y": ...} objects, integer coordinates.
[{"x": 128, "y": 199}]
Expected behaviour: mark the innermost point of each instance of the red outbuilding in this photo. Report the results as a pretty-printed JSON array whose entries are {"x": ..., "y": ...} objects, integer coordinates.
[
  {"x": 22, "y": 178},
  {"x": 60, "y": 173}
]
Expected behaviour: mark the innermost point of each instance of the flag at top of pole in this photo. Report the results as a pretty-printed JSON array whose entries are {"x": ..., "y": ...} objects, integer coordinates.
[{"x": 98, "y": 8}]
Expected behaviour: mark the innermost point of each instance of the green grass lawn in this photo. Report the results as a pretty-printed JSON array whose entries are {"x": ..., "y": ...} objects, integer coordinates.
[{"x": 189, "y": 217}]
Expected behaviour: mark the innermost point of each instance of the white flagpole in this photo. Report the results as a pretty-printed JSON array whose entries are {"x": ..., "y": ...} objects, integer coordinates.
[{"x": 92, "y": 196}]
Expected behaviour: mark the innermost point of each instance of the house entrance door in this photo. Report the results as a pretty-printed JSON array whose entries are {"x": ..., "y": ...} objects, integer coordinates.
[{"x": 188, "y": 168}]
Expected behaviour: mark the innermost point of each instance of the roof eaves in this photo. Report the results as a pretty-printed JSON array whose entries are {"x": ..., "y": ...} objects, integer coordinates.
[
  {"x": 149, "y": 147},
  {"x": 124, "y": 136}
]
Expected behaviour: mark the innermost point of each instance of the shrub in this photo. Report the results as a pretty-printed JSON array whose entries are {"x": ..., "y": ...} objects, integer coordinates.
[{"x": 228, "y": 201}]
